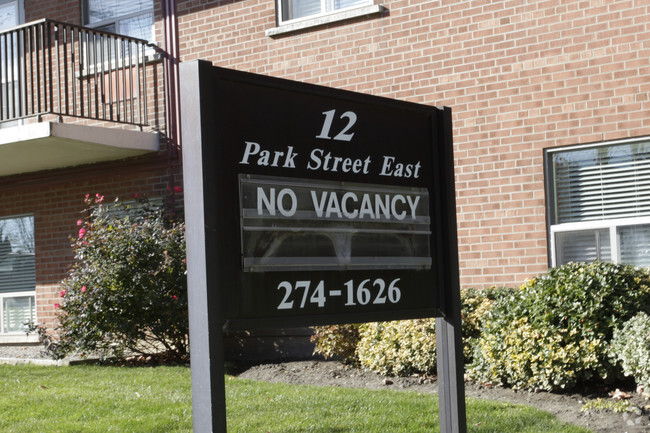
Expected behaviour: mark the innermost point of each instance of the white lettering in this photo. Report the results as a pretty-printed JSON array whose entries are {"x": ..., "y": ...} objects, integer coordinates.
[
  {"x": 251, "y": 149},
  {"x": 346, "y": 212},
  {"x": 264, "y": 201},
  {"x": 393, "y": 207},
  {"x": 319, "y": 160},
  {"x": 333, "y": 206},
  {"x": 319, "y": 206},
  {"x": 269, "y": 202},
  {"x": 390, "y": 168},
  {"x": 366, "y": 207},
  {"x": 294, "y": 202},
  {"x": 352, "y": 205},
  {"x": 413, "y": 204},
  {"x": 382, "y": 206},
  {"x": 266, "y": 158}
]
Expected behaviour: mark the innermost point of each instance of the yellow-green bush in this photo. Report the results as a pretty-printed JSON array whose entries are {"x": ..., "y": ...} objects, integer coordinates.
[
  {"x": 398, "y": 348},
  {"x": 554, "y": 332},
  {"x": 336, "y": 341},
  {"x": 403, "y": 347},
  {"x": 631, "y": 346}
]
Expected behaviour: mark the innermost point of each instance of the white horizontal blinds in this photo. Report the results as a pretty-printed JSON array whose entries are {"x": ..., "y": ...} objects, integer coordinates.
[
  {"x": 303, "y": 8},
  {"x": 602, "y": 183},
  {"x": 342, "y": 4},
  {"x": 17, "y": 266},
  {"x": 635, "y": 244},
  {"x": 17, "y": 312},
  {"x": 583, "y": 246}
]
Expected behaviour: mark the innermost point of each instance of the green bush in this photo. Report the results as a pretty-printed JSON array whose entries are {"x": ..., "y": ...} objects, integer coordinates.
[
  {"x": 475, "y": 306},
  {"x": 127, "y": 291},
  {"x": 336, "y": 341},
  {"x": 554, "y": 331},
  {"x": 631, "y": 346}
]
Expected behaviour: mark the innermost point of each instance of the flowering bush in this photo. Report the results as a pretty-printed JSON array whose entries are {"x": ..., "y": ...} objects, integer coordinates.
[
  {"x": 126, "y": 292},
  {"x": 631, "y": 346}
]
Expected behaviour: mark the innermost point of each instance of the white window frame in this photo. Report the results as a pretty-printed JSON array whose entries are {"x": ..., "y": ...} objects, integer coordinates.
[
  {"x": 327, "y": 15},
  {"x": 612, "y": 225},
  {"x": 17, "y": 336}
]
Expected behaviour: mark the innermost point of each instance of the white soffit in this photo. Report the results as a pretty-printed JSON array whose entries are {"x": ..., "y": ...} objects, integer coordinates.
[{"x": 48, "y": 145}]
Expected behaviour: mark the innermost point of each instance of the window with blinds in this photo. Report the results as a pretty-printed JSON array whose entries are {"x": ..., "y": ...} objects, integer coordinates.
[
  {"x": 600, "y": 203},
  {"x": 17, "y": 312},
  {"x": 602, "y": 183},
  {"x": 17, "y": 273},
  {"x": 17, "y": 265}
]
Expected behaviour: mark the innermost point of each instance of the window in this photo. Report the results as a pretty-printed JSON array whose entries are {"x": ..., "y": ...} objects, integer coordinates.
[
  {"x": 11, "y": 13},
  {"x": 599, "y": 198},
  {"x": 129, "y": 18},
  {"x": 17, "y": 274},
  {"x": 294, "y": 15},
  {"x": 295, "y": 9}
]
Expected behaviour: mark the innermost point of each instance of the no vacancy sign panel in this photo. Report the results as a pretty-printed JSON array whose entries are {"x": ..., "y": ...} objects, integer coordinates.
[{"x": 319, "y": 205}]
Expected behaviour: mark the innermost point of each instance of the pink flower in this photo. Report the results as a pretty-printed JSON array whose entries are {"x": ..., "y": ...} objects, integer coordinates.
[
  {"x": 178, "y": 189},
  {"x": 82, "y": 232},
  {"x": 56, "y": 306},
  {"x": 62, "y": 293},
  {"x": 174, "y": 297},
  {"x": 80, "y": 222},
  {"x": 83, "y": 289}
]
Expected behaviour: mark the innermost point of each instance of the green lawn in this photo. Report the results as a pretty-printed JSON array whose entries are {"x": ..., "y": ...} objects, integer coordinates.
[{"x": 89, "y": 399}]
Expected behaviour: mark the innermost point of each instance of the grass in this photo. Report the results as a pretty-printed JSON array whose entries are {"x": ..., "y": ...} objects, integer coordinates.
[{"x": 148, "y": 400}]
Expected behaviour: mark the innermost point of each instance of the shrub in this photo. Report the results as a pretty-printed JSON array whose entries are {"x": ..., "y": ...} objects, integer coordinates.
[
  {"x": 398, "y": 348},
  {"x": 336, "y": 341},
  {"x": 403, "y": 347},
  {"x": 475, "y": 306},
  {"x": 631, "y": 346},
  {"x": 127, "y": 291},
  {"x": 553, "y": 332}
]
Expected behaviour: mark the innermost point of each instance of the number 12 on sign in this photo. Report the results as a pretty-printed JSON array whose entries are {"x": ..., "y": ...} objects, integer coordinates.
[{"x": 300, "y": 293}]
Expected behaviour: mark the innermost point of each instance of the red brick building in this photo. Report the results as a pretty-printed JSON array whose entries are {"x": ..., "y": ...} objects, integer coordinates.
[{"x": 550, "y": 100}]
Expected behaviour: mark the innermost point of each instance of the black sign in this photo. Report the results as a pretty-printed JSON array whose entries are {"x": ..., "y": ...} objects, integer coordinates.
[{"x": 320, "y": 205}]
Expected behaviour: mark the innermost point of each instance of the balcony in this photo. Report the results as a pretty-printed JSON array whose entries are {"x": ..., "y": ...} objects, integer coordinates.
[{"x": 71, "y": 95}]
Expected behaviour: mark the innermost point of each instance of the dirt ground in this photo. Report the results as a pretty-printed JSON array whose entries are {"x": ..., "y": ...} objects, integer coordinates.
[{"x": 567, "y": 407}]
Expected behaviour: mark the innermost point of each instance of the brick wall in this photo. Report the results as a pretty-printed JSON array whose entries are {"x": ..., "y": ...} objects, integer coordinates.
[
  {"x": 56, "y": 204},
  {"x": 68, "y": 11},
  {"x": 519, "y": 76}
]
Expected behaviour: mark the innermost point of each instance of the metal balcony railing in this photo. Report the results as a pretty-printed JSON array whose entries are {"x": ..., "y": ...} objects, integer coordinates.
[{"x": 49, "y": 67}]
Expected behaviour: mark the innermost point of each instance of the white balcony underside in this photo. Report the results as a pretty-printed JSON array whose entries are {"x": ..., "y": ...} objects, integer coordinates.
[{"x": 48, "y": 145}]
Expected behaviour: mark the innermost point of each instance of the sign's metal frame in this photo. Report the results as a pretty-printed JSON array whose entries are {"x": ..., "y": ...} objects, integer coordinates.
[{"x": 243, "y": 131}]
